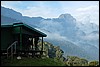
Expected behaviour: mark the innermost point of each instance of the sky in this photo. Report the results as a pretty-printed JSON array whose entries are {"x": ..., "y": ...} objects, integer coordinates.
[{"x": 80, "y": 10}]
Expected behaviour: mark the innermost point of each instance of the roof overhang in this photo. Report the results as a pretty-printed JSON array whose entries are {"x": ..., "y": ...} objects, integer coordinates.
[{"x": 23, "y": 25}]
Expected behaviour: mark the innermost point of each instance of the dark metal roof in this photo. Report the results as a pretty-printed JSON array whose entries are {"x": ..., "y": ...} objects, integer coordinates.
[
  {"x": 25, "y": 25},
  {"x": 6, "y": 26}
]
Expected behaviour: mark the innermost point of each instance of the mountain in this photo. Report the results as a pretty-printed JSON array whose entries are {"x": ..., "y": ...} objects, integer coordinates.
[
  {"x": 7, "y": 20},
  {"x": 10, "y": 13},
  {"x": 18, "y": 16},
  {"x": 68, "y": 48},
  {"x": 68, "y": 19},
  {"x": 75, "y": 38},
  {"x": 81, "y": 49}
]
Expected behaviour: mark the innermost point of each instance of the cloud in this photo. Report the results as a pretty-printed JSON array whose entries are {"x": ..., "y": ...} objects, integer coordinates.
[
  {"x": 91, "y": 11},
  {"x": 91, "y": 37},
  {"x": 53, "y": 35},
  {"x": 81, "y": 9},
  {"x": 51, "y": 26},
  {"x": 45, "y": 9},
  {"x": 42, "y": 11},
  {"x": 12, "y": 5},
  {"x": 36, "y": 11}
]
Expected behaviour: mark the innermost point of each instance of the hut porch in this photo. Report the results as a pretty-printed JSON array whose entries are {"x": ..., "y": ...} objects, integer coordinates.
[{"x": 26, "y": 39}]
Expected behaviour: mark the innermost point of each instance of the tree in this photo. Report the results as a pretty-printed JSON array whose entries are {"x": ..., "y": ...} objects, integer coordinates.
[
  {"x": 84, "y": 62},
  {"x": 94, "y": 63},
  {"x": 76, "y": 61}
]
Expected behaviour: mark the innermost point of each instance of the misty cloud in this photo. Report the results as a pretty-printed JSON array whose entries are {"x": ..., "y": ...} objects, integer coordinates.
[
  {"x": 91, "y": 37},
  {"x": 51, "y": 26}
]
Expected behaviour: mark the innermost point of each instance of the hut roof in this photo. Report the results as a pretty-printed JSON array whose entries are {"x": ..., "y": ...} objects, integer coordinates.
[{"x": 25, "y": 26}]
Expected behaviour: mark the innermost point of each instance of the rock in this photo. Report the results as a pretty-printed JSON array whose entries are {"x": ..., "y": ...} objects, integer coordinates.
[{"x": 18, "y": 57}]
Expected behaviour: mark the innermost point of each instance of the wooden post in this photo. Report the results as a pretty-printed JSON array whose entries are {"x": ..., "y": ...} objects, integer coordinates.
[
  {"x": 36, "y": 42},
  {"x": 32, "y": 44},
  {"x": 15, "y": 48},
  {"x": 12, "y": 52},
  {"x": 42, "y": 45},
  {"x": 32, "y": 47},
  {"x": 20, "y": 39}
]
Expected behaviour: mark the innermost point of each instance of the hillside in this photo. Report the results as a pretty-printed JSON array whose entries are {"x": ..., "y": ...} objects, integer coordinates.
[
  {"x": 7, "y": 20},
  {"x": 31, "y": 62}
]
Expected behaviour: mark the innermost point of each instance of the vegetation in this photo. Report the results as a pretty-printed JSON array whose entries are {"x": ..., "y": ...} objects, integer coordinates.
[
  {"x": 53, "y": 56},
  {"x": 31, "y": 62},
  {"x": 94, "y": 63},
  {"x": 76, "y": 61},
  {"x": 56, "y": 53}
]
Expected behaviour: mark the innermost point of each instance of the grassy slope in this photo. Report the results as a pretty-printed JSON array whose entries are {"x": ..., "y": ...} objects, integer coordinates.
[{"x": 31, "y": 62}]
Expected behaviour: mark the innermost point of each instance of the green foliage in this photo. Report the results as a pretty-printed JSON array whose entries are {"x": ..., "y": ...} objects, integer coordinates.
[
  {"x": 31, "y": 62},
  {"x": 72, "y": 58},
  {"x": 55, "y": 52},
  {"x": 76, "y": 61},
  {"x": 51, "y": 50},
  {"x": 60, "y": 60},
  {"x": 94, "y": 63}
]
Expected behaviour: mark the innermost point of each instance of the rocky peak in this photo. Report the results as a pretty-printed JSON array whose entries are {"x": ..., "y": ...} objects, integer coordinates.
[{"x": 66, "y": 16}]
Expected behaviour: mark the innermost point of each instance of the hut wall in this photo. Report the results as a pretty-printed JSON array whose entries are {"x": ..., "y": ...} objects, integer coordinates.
[{"x": 6, "y": 38}]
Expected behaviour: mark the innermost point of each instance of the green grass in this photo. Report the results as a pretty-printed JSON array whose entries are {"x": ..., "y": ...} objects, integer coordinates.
[{"x": 31, "y": 62}]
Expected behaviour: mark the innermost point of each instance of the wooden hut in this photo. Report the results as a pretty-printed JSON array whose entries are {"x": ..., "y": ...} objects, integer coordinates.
[{"x": 15, "y": 38}]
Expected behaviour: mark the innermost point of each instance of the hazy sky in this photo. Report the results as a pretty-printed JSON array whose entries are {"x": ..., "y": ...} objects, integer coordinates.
[{"x": 52, "y": 9}]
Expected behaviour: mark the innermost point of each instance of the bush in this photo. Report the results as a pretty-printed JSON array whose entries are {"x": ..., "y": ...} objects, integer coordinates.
[{"x": 94, "y": 63}]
